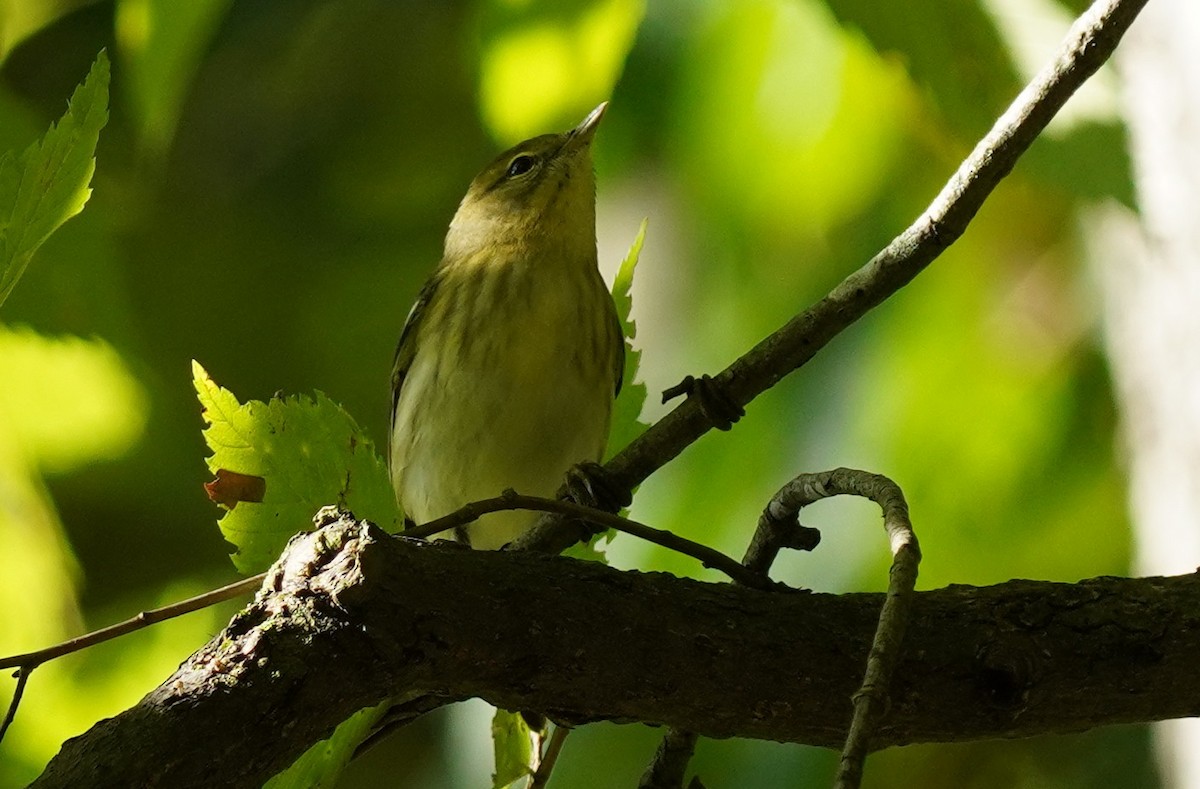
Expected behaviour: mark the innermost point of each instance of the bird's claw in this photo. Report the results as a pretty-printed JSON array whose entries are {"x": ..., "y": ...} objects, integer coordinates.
[{"x": 591, "y": 485}]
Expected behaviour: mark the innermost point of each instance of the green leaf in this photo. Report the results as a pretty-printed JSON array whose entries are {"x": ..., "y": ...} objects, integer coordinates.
[
  {"x": 322, "y": 765},
  {"x": 308, "y": 453},
  {"x": 625, "y": 424},
  {"x": 512, "y": 742},
  {"x": 49, "y": 182}
]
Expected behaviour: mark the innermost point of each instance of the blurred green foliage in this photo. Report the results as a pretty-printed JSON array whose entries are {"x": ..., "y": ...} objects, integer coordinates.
[{"x": 273, "y": 187}]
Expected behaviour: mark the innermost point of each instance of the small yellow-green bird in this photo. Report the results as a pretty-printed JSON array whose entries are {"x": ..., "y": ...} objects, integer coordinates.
[{"x": 510, "y": 360}]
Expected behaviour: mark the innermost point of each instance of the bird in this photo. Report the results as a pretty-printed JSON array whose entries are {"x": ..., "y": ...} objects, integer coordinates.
[{"x": 510, "y": 360}]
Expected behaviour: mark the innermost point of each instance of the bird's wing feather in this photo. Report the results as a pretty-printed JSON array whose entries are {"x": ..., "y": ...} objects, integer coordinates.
[{"x": 406, "y": 348}]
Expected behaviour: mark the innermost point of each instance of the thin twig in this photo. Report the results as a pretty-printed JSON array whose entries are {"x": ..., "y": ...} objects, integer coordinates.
[
  {"x": 22, "y": 676},
  {"x": 511, "y": 500},
  {"x": 31, "y": 660},
  {"x": 871, "y": 699},
  {"x": 669, "y": 765},
  {"x": 541, "y": 777},
  {"x": 1088, "y": 45}
]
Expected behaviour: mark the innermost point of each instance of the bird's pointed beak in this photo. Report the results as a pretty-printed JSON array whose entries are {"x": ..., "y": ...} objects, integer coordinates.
[{"x": 587, "y": 128}]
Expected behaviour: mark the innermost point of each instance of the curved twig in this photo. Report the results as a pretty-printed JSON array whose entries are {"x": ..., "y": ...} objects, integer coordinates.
[
  {"x": 871, "y": 699},
  {"x": 22, "y": 676}
]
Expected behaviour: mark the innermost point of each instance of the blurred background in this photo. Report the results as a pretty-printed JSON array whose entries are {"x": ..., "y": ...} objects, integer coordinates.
[{"x": 273, "y": 187}]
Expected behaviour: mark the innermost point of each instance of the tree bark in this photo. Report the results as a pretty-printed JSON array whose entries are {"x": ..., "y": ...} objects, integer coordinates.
[{"x": 350, "y": 616}]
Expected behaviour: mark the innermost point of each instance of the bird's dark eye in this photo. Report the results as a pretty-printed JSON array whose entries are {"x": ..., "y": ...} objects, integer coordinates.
[{"x": 520, "y": 165}]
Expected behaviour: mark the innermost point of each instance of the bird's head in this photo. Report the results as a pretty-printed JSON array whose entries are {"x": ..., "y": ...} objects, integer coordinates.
[{"x": 536, "y": 199}]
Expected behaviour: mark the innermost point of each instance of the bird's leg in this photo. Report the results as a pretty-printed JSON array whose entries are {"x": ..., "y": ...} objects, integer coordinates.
[{"x": 714, "y": 402}]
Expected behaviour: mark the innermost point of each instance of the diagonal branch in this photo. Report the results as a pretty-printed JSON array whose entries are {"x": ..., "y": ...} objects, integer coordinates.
[{"x": 1089, "y": 43}]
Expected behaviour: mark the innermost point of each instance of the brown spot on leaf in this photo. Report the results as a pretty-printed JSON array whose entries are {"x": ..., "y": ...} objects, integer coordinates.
[{"x": 230, "y": 487}]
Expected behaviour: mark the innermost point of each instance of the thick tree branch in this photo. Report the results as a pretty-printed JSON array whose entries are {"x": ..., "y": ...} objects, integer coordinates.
[
  {"x": 1089, "y": 43},
  {"x": 350, "y": 616}
]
